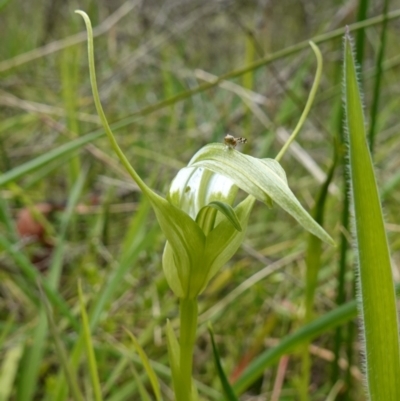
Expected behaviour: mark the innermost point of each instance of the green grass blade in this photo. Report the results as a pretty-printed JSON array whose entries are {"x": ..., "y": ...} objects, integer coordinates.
[
  {"x": 174, "y": 358},
  {"x": 343, "y": 251},
  {"x": 6, "y": 219},
  {"x": 34, "y": 164},
  {"x": 313, "y": 264},
  {"x": 8, "y": 370},
  {"x": 70, "y": 77},
  {"x": 91, "y": 358},
  {"x": 62, "y": 353},
  {"x": 146, "y": 364},
  {"x": 226, "y": 386},
  {"x": 144, "y": 395},
  {"x": 307, "y": 333},
  {"x": 375, "y": 282},
  {"x": 378, "y": 80},
  {"x": 361, "y": 16},
  {"x": 112, "y": 380},
  {"x": 29, "y": 369}
]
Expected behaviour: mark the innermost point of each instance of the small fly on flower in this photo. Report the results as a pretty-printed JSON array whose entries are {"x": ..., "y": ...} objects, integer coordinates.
[{"x": 231, "y": 141}]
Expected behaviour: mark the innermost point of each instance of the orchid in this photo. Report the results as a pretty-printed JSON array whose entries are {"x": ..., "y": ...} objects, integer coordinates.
[{"x": 203, "y": 226}]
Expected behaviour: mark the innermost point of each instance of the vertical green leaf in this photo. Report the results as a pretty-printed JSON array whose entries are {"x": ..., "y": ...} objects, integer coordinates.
[
  {"x": 91, "y": 358},
  {"x": 174, "y": 358},
  {"x": 144, "y": 395},
  {"x": 376, "y": 296},
  {"x": 146, "y": 364},
  {"x": 228, "y": 390}
]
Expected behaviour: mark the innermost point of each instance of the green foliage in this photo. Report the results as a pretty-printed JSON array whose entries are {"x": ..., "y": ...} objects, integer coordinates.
[{"x": 228, "y": 390}]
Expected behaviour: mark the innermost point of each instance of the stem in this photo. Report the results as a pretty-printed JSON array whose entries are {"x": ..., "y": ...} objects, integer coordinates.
[{"x": 188, "y": 326}]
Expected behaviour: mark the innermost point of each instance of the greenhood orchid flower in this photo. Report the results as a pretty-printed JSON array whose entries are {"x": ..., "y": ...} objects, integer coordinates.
[{"x": 205, "y": 190}]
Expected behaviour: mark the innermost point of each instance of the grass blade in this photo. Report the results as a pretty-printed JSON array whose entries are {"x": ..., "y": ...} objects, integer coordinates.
[
  {"x": 291, "y": 342},
  {"x": 62, "y": 353},
  {"x": 144, "y": 395},
  {"x": 378, "y": 80},
  {"x": 9, "y": 368},
  {"x": 376, "y": 296},
  {"x": 94, "y": 375},
  {"x": 29, "y": 368},
  {"x": 40, "y": 161},
  {"x": 174, "y": 358},
  {"x": 228, "y": 390},
  {"x": 313, "y": 264},
  {"x": 146, "y": 364}
]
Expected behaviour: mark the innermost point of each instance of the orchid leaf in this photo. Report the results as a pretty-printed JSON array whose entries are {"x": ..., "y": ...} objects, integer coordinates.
[{"x": 261, "y": 178}]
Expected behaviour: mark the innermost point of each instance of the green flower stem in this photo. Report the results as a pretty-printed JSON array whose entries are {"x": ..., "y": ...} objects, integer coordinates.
[
  {"x": 309, "y": 103},
  {"x": 187, "y": 338}
]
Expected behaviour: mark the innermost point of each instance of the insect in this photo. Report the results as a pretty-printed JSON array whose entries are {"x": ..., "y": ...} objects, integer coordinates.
[{"x": 231, "y": 141}]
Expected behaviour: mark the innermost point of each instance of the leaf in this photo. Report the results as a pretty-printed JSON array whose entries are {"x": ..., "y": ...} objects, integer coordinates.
[
  {"x": 9, "y": 368},
  {"x": 228, "y": 390},
  {"x": 144, "y": 395},
  {"x": 67, "y": 150},
  {"x": 261, "y": 178},
  {"x": 62, "y": 352},
  {"x": 376, "y": 296},
  {"x": 174, "y": 358},
  {"x": 146, "y": 364},
  {"x": 91, "y": 358},
  {"x": 293, "y": 341}
]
